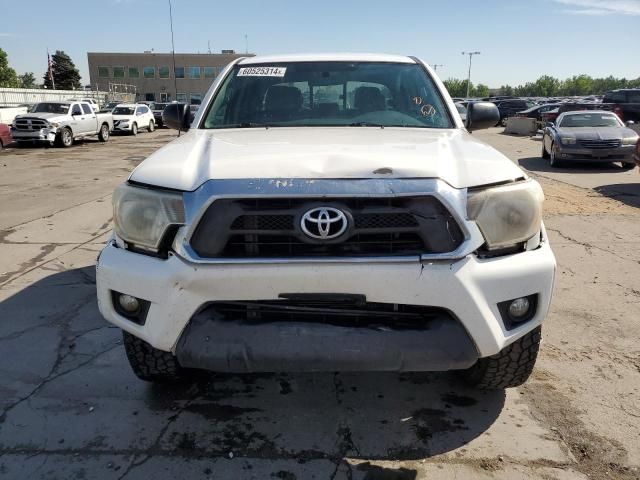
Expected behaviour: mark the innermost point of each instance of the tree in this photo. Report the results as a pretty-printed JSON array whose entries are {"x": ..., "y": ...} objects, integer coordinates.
[
  {"x": 481, "y": 90},
  {"x": 27, "y": 80},
  {"x": 506, "y": 90},
  {"x": 65, "y": 74},
  {"x": 8, "y": 77}
]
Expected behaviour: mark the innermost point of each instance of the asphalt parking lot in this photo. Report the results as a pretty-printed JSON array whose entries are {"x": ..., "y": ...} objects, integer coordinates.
[{"x": 72, "y": 408}]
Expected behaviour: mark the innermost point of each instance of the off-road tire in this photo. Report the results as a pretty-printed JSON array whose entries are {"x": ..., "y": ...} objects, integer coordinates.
[
  {"x": 134, "y": 129},
  {"x": 149, "y": 363},
  {"x": 545, "y": 154},
  {"x": 64, "y": 139},
  {"x": 103, "y": 136},
  {"x": 509, "y": 368},
  {"x": 151, "y": 126}
]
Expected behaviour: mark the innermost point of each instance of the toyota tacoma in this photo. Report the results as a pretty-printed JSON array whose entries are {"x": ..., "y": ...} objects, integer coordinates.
[{"x": 328, "y": 213}]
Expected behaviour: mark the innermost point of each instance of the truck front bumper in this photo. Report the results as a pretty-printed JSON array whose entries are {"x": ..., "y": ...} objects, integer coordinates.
[
  {"x": 42, "y": 135},
  {"x": 470, "y": 289},
  {"x": 621, "y": 154}
]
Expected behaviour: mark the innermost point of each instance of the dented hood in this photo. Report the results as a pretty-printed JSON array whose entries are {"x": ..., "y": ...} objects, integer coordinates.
[{"x": 452, "y": 155}]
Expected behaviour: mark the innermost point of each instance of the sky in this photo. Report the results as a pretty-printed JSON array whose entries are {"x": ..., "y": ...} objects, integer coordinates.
[{"x": 519, "y": 40}]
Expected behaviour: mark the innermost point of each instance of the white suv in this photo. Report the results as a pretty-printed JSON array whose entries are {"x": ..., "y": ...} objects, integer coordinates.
[
  {"x": 131, "y": 117},
  {"x": 328, "y": 212}
]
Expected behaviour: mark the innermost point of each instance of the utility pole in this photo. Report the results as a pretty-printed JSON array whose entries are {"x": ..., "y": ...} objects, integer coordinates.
[
  {"x": 173, "y": 55},
  {"x": 471, "y": 54},
  {"x": 246, "y": 43},
  {"x": 436, "y": 65}
]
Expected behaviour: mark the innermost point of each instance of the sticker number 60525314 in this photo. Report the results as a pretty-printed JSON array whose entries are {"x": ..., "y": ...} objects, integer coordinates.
[{"x": 262, "y": 72}]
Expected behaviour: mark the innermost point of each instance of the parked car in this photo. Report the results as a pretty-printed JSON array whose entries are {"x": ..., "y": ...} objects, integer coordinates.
[
  {"x": 5, "y": 135},
  {"x": 462, "y": 110},
  {"x": 157, "y": 108},
  {"x": 552, "y": 115},
  {"x": 131, "y": 117},
  {"x": 626, "y": 102},
  {"x": 597, "y": 136},
  {"x": 109, "y": 106},
  {"x": 537, "y": 111},
  {"x": 94, "y": 105},
  {"x": 509, "y": 108},
  {"x": 61, "y": 123},
  {"x": 240, "y": 247}
]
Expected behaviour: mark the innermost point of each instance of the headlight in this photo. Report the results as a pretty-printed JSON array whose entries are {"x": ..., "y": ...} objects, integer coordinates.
[
  {"x": 141, "y": 215},
  {"x": 568, "y": 140},
  {"x": 629, "y": 141},
  {"x": 54, "y": 124},
  {"x": 507, "y": 215}
]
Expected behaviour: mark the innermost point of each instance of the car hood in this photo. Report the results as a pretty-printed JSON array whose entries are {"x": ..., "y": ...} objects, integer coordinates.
[
  {"x": 50, "y": 117},
  {"x": 452, "y": 155},
  {"x": 122, "y": 117},
  {"x": 597, "y": 133}
]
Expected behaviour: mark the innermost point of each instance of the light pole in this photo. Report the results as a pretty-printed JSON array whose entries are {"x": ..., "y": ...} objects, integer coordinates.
[
  {"x": 471, "y": 54},
  {"x": 436, "y": 65}
]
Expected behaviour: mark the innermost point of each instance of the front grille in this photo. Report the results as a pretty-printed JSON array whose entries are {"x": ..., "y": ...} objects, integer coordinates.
[
  {"x": 29, "y": 124},
  {"x": 329, "y": 309},
  {"x": 598, "y": 144},
  {"x": 271, "y": 227}
]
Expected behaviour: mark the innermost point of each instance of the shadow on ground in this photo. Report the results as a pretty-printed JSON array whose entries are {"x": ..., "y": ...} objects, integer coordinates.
[
  {"x": 539, "y": 164},
  {"x": 628, "y": 193},
  {"x": 69, "y": 393}
]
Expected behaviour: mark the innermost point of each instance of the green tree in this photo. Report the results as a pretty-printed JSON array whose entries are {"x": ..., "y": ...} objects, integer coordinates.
[
  {"x": 27, "y": 80},
  {"x": 8, "y": 77},
  {"x": 546, "y": 86},
  {"x": 577, "y": 85},
  {"x": 481, "y": 90},
  {"x": 506, "y": 90},
  {"x": 65, "y": 74}
]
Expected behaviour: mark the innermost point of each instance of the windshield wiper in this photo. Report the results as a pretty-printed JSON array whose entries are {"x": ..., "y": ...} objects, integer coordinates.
[
  {"x": 366, "y": 124},
  {"x": 244, "y": 125}
]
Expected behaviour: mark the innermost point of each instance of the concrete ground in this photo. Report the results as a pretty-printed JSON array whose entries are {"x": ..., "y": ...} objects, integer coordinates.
[{"x": 71, "y": 407}]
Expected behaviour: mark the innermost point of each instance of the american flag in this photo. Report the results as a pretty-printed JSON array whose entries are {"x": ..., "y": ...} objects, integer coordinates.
[{"x": 50, "y": 70}]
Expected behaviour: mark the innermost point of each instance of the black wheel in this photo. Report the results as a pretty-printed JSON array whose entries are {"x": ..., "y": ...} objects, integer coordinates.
[
  {"x": 64, "y": 138},
  {"x": 545, "y": 154},
  {"x": 553, "y": 156},
  {"x": 134, "y": 129},
  {"x": 628, "y": 166},
  {"x": 151, "y": 364},
  {"x": 509, "y": 368},
  {"x": 103, "y": 136},
  {"x": 152, "y": 126}
]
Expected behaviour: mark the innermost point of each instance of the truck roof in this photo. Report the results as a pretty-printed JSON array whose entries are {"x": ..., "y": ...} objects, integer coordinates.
[{"x": 328, "y": 57}]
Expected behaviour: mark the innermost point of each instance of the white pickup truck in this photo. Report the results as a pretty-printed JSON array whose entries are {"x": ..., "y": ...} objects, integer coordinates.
[
  {"x": 327, "y": 213},
  {"x": 61, "y": 123}
]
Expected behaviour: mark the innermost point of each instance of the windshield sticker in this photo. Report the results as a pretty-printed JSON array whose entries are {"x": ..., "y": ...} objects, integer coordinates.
[
  {"x": 428, "y": 110},
  {"x": 262, "y": 72}
]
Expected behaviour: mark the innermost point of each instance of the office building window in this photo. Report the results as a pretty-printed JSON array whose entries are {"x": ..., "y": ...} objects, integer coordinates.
[
  {"x": 179, "y": 72},
  {"x": 209, "y": 72},
  {"x": 194, "y": 72},
  {"x": 150, "y": 97},
  {"x": 134, "y": 72},
  {"x": 103, "y": 72},
  {"x": 118, "y": 72},
  {"x": 163, "y": 72},
  {"x": 196, "y": 98},
  {"x": 165, "y": 97},
  {"x": 181, "y": 97},
  {"x": 149, "y": 72}
]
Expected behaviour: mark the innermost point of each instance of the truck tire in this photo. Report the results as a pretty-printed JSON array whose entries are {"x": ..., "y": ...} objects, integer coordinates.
[
  {"x": 64, "y": 139},
  {"x": 103, "y": 136},
  {"x": 149, "y": 363},
  {"x": 508, "y": 368},
  {"x": 628, "y": 166},
  {"x": 134, "y": 129},
  {"x": 151, "y": 127}
]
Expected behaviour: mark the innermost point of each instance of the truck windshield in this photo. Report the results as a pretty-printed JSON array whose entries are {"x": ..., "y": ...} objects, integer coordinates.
[
  {"x": 357, "y": 94},
  {"x": 59, "y": 108}
]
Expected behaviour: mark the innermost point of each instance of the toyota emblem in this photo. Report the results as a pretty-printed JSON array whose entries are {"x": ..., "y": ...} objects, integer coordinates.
[{"x": 324, "y": 223}]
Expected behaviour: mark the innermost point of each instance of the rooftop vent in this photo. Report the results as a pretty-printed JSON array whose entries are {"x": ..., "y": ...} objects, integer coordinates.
[{"x": 231, "y": 52}]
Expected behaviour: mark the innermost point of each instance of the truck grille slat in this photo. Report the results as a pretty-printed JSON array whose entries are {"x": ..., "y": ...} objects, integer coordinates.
[
  {"x": 29, "y": 124},
  {"x": 270, "y": 228},
  {"x": 596, "y": 144}
]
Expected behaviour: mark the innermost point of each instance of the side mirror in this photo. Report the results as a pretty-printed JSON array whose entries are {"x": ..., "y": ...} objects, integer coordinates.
[
  {"x": 549, "y": 124},
  {"x": 177, "y": 116},
  {"x": 481, "y": 115},
  {"x": 628, "y": 123}
]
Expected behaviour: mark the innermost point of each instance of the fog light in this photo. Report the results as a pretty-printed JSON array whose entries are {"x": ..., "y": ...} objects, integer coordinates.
[
  {"x": 128, "y": 303},
  {"x": 517, "y": 308}
]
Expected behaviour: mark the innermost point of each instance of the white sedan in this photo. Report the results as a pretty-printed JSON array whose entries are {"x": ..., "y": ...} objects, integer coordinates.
[{"x": 130, "y": 117}]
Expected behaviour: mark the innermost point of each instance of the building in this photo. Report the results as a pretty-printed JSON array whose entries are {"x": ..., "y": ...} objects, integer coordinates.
[{"x": 152, "y": 74}]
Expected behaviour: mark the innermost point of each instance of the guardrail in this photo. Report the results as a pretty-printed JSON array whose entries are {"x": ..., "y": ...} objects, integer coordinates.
[{"x": 11, "y": 97}]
